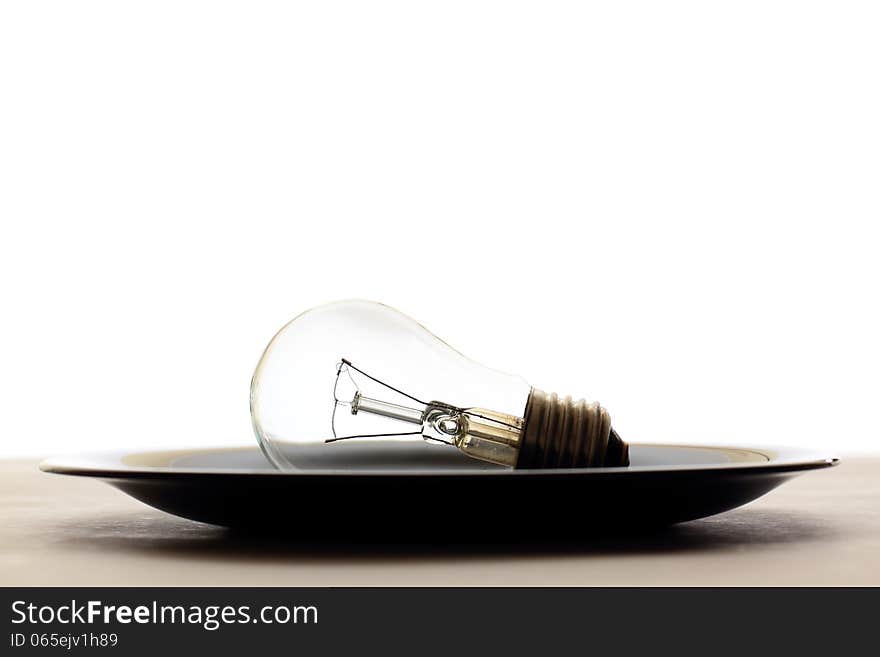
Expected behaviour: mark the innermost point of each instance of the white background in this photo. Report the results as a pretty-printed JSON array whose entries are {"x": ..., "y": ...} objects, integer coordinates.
[{"x": 671, "y": 207}]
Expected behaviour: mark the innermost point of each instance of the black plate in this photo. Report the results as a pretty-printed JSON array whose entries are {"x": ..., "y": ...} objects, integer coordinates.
[{"x": 460, "y": 500}]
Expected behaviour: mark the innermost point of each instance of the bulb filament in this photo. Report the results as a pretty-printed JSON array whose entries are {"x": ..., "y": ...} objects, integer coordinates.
[{"x": 481, "y": 433}]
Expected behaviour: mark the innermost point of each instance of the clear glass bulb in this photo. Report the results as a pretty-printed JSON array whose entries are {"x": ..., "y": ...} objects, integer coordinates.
[{"x": 359, "y": 384}]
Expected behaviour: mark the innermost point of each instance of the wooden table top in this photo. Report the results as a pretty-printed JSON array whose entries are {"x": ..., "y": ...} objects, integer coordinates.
[{"x": 822, "y": 528}]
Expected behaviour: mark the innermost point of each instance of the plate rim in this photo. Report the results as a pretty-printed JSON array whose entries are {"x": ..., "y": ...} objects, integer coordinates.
[{"x": 783, "y": 459}]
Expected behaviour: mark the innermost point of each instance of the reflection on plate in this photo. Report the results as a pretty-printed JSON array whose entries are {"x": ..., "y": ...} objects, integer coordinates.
[{"x": 428, "y": 494}]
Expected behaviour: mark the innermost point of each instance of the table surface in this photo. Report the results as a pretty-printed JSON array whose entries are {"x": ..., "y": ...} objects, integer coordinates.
[{"x": 822, "y": 528}]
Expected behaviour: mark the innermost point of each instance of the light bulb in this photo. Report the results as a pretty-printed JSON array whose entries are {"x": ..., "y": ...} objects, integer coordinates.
[{"x": 357, "y": 383}]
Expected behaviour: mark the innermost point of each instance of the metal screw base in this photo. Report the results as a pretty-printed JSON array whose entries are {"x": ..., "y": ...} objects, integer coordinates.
[{"x": 560, "y": 433}]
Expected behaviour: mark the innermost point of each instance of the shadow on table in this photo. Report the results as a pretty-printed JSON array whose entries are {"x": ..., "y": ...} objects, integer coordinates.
[{"x": 173, "y": 537}]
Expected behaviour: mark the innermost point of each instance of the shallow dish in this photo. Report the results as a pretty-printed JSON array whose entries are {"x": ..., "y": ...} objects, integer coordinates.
[{"x": 458, "y": 499}]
